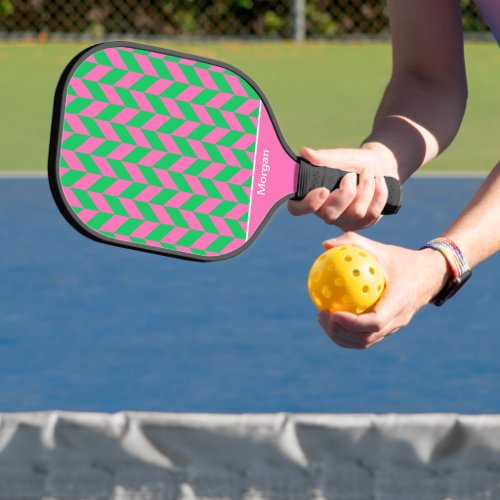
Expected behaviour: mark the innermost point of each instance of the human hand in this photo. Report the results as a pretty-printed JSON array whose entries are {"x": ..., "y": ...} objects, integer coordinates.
[
  {"x": 352, "y": 206},
  {"x": 413, "y": 278}
]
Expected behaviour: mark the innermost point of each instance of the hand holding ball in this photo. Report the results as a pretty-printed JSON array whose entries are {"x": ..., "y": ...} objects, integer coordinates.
[{"x": 346, "y": 278}]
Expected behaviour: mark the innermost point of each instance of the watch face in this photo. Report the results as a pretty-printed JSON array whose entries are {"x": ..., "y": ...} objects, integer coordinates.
[{"x": 451, "y": 288}]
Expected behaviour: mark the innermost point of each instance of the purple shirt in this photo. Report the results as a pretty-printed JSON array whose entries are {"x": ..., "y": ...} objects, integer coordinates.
[{"x": 490, "y": 9}]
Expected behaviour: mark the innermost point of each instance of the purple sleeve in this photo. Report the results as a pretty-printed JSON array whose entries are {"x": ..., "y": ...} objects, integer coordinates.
[{"x": 490, "y": 9}]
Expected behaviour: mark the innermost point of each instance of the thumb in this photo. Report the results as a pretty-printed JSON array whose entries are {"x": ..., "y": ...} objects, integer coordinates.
[{"x": 339, "y": 157}]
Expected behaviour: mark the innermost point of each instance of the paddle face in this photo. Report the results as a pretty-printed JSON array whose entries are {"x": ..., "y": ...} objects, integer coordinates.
[{"x": 166, "y": 152}]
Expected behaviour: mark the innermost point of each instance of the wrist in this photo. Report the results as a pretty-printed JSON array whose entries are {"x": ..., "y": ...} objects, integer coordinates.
[
  {"x": 386, "y": 156},
  {"x": 437, "y": 272}
]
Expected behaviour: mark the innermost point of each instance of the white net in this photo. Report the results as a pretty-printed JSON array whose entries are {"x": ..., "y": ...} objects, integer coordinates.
[{"x": 154, "y": 456}]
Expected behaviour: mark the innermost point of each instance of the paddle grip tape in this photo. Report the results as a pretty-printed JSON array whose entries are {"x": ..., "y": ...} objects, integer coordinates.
[{"x": 312, "y": 177}]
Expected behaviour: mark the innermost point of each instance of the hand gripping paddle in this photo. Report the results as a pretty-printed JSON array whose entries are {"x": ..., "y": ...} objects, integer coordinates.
[{"x": 172, "y": 153}]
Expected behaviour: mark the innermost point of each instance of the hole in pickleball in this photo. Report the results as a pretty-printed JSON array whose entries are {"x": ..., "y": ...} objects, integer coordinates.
[
  {"x": 359, "y": 310},
  {"x": 317, "y": 276},
  {"x": 372, "y": 270},
  {"x": 356, "y": 273},
  {"x": 379, "y": 287},
  {"x": 339, "y": 281},
  {"x": 346, "y": 299},
  {"x": 330, "y": 268},
  {"x": 336, "y": 306},
  {"x": 327, "y": 293},
  {"x": 348, "y": 258},
  {"x": 362, "y": 254},
  {"x": 366, "y": 289}
]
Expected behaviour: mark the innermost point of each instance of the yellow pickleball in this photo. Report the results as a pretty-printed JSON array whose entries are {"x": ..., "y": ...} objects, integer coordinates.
[{"x": 346, "y": 278}]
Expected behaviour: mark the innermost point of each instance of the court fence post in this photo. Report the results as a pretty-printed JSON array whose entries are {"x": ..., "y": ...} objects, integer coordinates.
[{"x": 299, "y": 20}]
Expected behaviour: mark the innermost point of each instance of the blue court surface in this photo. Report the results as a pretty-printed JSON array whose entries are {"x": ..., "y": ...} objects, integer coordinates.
[{"x": 91, "y": 327}]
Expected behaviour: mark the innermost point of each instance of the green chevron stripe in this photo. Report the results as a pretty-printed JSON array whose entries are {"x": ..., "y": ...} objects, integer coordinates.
[
  {"x": 84, "y": 199},
  {"x": 191, "y": 75},
  {"x": 102, "y": 184},
  {"x": 129, "y": 226},
  {"x": 219, "y": 244},
  {"x": 180, "y": 182},
  {"x": 210, "y": 188},
  {"x": 184, "y": 146},
  {"x": 84, "y": 68},
  {"x": 95, "y": 89},
  {"x": 141, "y": 119},
  {"x": 200, "y": 132},
  {"x": 89, "y": 163},
  {"x": 187, "y": 111},
  {"x": 91, "y": 125},
  {"x": 207, "y": 223},
  {"x": 243, "y": 159},
  {"x": 146, "y": 211},
  {"x": 98, "y": 220},
  {"x": 160, "y": 232},
  {"x": 234, "y": 103},
  {"x": 239, "y": 193},
  {"x": 151, "y": 177},
  {"x": 157, "y": 105},
  {"x": 247, "y": 124},
  {"x": 197, "y": 167},
  {"x": 161, "y": 69},
  {"x": 230, "y": 138},
  {"x": 123, "y": 133},
  {"x": 205, "y": 96},
  {"x": 171, "y": 125},
  {"x": 193, "y": 202},
  {"x": 174, "y": 90},
  {"x": 221, "y": 82},
  {"x": 76, "y": 106},
  {"x": 163, "y": 196},
  {"x": 130, "y": 61},
  {"x": 235, "y": 228},
  {"x": 214, "y": 152},
  {"x": 223, "y": 208},
  {"x": 109, "y": 112},
  {"x": 189, "y": 238},
  {"x": 113, "y": 76},
  {"x": 144, "y": 83},
  {"x": 127, "y": 98},
  {"x": 136, "y": 155},
  {"x": 120, "y": 170},
  {"x": 227, "y": 173},
  {"x": 102, "y": 58},
  {"x": 217, "y": 118},
  {"x": 115, "y": 205},
  {"x": 71, "y": 176},
  {"x": 132, "y": 191},
  {"x": 177, "y": 217}
]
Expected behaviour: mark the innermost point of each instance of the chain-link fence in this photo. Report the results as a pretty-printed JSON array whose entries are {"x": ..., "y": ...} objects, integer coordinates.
[{"x": 206, "y": 18}]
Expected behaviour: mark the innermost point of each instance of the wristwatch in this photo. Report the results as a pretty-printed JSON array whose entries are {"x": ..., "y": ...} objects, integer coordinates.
[{"x": 460, "y": 270}]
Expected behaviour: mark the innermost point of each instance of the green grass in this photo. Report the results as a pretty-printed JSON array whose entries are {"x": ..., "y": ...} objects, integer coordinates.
[{"x": 323, "y": 94}]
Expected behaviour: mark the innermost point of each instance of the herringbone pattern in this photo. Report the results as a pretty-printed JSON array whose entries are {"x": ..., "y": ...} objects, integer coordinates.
[{"x": 158, "y": 150}]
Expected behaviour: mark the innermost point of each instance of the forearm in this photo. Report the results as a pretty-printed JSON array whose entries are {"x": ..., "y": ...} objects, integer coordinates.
[
  {"x": 477, "y": 230},
  {"x": 416, "y": 120}
]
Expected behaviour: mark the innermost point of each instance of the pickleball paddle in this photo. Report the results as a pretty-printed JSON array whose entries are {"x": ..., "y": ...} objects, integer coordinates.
[{"x": 172, "y": 153}]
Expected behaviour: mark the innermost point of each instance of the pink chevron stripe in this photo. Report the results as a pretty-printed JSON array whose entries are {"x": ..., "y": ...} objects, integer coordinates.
[
  {"x": 232, "y": 121},
  {"x": 131, "y": 208},
  {"x": 182, "y": 164},
  {"x": 113, "y": 224},
  {"x": 224, "y": 190},
  {"x": 104, "y": 167},
  {"x": 157, "y": 55},
  {"x": 185, "y": 129},
  {"x": 122, "y": 237},
  {"x": 76, "y": 124},
  {"x": 254, "y": 121},
  {"x": 215, "y": 135},
  {"x": 115, "y": 58},
  {"x": 139, "y": 137},
  {"x": 127, "y": 80},
  {"x": 198, "y": 149},
  {"x": 86, "y": 181},
  {"x": 135, "y": 173},
  {"x": 176, "y": 72},
  {"x": 192, "y": 220},
  {"x": 241, "y": 176},
  {"x": 172, "y": 107},
  {"x": 244, "y": 142},
  {"x": 124, "y": 116},
  {"x": 111, "y": 94},
  {"x": 169, "y": 144},
  {"x": 219, "y": 100},
  {"x": 85, "y": 215},
  {"x": 93, "y": 109},
  {"x": 162, "y": 214},
  {"x": 148, "y": 193},
  {"x": 212, "y": 170},
  {"x": 70, "y": 197},
  {"x": 142, "y": 101},
  {"x": 100, "y": 202},
  {"x": 91, "y": 59},
  {"x": 184, "y": 250},
  {"x": 90, "y": 145},
  {"x": 107, "y": 129},
  {"x": 118, "y": 187},
  {"x": 159, "y": 87},
  {"x": 70, "y": 99},
  {"x": 65, "y": 134},
  {"x": 235, "y": 84},
  {"x": 178, "y": 200},
  {"x": 250, "y": 155},
  {"x": 248, "y": 107},
  {"x": 63, "y": 170},
  {"x": 189, "y": 93},
  {"x": 208, "y": 205},
  {"x": 165, "y": 179},
  {"x": 206, "y": 78},
  {"x": 152, "y": 243},
  {"x": 151, "y": 158},
  {"x": 80, "y": 89},
  {"x": 145, "y": 65},
  {"x": 155, "y": 122},
  {"x": 175, "y": 235},
  {"x": 232, "y": 245},
  {"x": 228, "y": 155},
  {"x": 217, "y": 69},
  {"x": 121, "y": 151},
  {"x": 204, "y": 241},
  {"x": 202, "y": 114},
  {"x": 187, "y": 62},
  {"x": 237, "y": 212},
  {"x": 95, "y": 74},
  {"x": 195, "y": 185},
  {"x": 144, "y": 229},
  {"x": 72, "y": 160},
  {"x": 221, "y": 226}
]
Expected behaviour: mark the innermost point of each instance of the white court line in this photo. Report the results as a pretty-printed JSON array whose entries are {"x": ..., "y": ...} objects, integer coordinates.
[{"x": 23, "y": 174}]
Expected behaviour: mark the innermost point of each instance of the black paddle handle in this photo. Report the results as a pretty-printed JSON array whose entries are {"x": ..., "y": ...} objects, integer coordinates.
[{"x": 312, "y": 177}]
